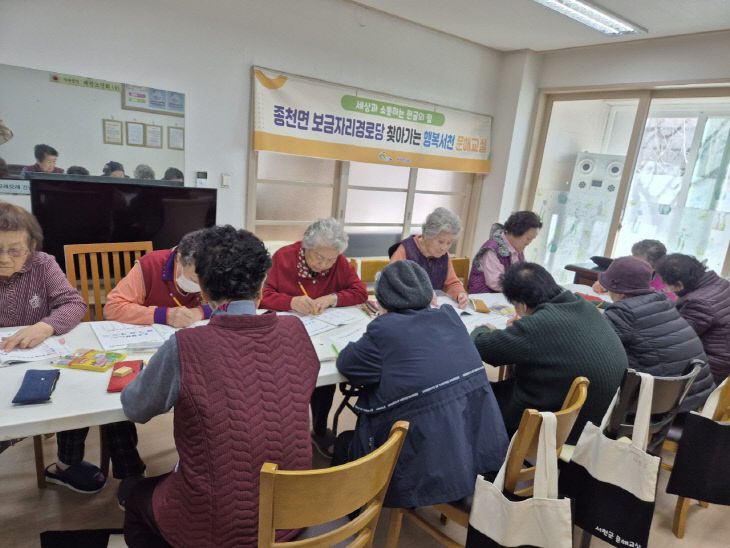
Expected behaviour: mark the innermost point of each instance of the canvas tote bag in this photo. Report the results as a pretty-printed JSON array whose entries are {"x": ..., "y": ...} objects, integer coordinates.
[
  {"x": 701, "y": 466},
  {"x": 613, "y": 483},
  {"x": 542, "y": 521}
]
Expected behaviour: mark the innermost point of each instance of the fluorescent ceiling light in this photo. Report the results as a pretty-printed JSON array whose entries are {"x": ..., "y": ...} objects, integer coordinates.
[{"x": 593, "y": 16}]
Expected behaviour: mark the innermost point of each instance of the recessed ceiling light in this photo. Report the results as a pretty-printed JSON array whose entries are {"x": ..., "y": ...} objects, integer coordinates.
[{"x": 593, "y": 16}]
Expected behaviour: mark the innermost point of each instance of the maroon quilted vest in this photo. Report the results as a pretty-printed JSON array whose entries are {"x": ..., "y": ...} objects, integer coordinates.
[
  {"x": 158, "y": 288},
  {"x": 244, "y": 396}
]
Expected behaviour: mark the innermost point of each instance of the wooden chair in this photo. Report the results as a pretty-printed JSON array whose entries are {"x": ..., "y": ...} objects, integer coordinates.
[
  {"x": 524, "y": 447},
  {"x": 294, "y": 499},
  {"x": 88, "y": 257},
  {"x": 368, "y": 270},
  {"x": 462, "y": 267},
  {"x": 721, "y": 414}
]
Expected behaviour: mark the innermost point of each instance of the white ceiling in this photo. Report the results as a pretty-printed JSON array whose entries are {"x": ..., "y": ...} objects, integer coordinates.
[{"x": 523, "y": 24}]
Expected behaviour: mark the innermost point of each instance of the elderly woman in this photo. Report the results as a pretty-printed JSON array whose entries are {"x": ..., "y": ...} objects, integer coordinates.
[
  {"x": 308, "y": 277},
  {"x": 650, "y": 251},
  {"x": 704, "y": 301},
  {"x": 35, "y": 293},
  {"x": 431, "y": 251},
  {"x": 505, "y": 247}
]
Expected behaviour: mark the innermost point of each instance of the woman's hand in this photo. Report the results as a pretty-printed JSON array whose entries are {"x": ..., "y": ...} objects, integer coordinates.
[
  {"x": 181, "y": 316},
  {"x": 324, "y": 302},
  {"x": 28, "y": 337},
  {"x": 303, "y": 305},
  {"x": 462, "y": 298}
]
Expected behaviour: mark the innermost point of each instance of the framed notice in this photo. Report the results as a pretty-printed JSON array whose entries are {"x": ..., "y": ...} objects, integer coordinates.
[
  {"x": 152, "y": 136},
  {"x": 112, "y": 132},
  {"x": 135, "y": 134},
  {"x": 175, "y": 138}
]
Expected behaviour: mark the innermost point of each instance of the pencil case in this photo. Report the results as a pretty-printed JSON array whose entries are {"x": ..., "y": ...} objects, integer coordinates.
[{"x": 37, "y": 386}]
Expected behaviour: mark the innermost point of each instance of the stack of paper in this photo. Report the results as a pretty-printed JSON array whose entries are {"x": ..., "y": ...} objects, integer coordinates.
[
  {"x": 116, "y": 335},
  {"x": 50, "y": 348}
]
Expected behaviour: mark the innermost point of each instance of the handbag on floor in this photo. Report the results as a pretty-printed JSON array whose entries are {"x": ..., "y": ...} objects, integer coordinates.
[
  {"x": 542, "y": 521},
  {"x": 700, "y": 469},
  {"x": 612, "y": 482}
]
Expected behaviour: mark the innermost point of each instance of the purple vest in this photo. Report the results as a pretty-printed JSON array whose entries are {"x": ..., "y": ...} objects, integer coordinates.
[
  {"x": 476, "y": 276},
  {"x": 437, "y": 269}
]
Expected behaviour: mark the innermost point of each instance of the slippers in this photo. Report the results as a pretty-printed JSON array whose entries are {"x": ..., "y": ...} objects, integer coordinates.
[
  {"x": 83, "y": 477},
  {"x": 325, "y": 445}
]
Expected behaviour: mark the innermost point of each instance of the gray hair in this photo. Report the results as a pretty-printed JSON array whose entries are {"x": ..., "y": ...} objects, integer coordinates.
[
  {"x": 143, "y": 171},
  {"x": 441, "y": 220},
  {"x": 651, "y": 250},
  {"x": 188, "y": 246},
  {"x": 325, "y": 233}
]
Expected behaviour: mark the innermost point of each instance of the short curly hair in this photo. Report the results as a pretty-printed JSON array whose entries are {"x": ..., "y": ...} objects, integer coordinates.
[
  {"x": 650, "y": 250},
  {"x": 231, "y": 264},
  {"x": 681, "y": 268},
  {"x": 15, "y": 218},
  {"x": 530, "y": 284},
  {"x": 521, "y": 221}
]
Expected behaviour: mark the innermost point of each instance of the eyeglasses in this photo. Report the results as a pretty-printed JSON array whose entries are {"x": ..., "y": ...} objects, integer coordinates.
[
  {"x": 15, "y": 253},
  {"x": 322, "y": 259}
]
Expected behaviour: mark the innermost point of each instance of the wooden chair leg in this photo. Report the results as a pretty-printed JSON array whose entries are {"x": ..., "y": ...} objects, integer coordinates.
[
  {"x": 680, "y": 516},
  {"x": 396, "y": 520},
  {"x": 585, "y": 539},
  {"x": 40, "y": 467},
  {"x": 104, "y": 450}
]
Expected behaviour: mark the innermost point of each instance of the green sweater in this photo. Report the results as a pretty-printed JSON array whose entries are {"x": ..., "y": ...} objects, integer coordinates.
[{"x": 562, "y": 339}]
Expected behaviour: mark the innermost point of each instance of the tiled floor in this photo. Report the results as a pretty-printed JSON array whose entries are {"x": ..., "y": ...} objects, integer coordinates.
[{"x": 26, "y": 511}]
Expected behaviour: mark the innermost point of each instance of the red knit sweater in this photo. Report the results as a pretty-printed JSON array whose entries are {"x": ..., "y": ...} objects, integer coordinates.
[{"x": 284, "y": 279}]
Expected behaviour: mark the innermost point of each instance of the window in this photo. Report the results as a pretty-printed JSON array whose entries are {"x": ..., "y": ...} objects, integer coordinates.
[
  {"x": 378, "y": 204},
  {"x": 676, "y": 147}
]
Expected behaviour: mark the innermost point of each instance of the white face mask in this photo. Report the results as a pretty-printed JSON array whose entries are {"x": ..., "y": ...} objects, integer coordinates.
[{"x": 186, "y": 285}]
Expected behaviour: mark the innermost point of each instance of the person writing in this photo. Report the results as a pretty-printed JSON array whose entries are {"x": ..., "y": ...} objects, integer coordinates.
[
  {"x": 505, "y": 247},
  {"x": 46, "y": 157},
  {"x": 308, "y": 277},
  {"x": 162, "y": 287},
  {"x": 431, "y": 251},
  {"x": 240, "y": 387},
  {"x": 417, "y": 363},
  {"x": 35, "y": 293}
]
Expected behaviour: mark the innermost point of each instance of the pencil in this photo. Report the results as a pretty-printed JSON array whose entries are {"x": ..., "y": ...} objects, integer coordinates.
[
  {"x": 175, "y": 299},
  {"x": 305, "y": 293},
  {"x": 336, "y": 351}
]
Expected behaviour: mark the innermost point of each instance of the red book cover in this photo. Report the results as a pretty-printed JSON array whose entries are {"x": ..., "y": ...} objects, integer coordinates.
[{"x": 117, "y": 384}]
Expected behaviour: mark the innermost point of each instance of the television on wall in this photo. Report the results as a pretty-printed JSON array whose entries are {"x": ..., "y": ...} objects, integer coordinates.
[{"x": 77, "y": 209}]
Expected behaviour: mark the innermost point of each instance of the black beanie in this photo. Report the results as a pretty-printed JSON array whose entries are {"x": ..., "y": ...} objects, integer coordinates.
[{"x": 403, "y": 285}]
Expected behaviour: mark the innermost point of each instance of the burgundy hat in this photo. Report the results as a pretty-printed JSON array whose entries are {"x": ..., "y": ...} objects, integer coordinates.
[{"x": 628, "y": 276}]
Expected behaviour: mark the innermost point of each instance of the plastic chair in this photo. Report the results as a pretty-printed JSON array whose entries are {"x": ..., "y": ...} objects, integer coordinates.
[
  {"x": 295, "y": 499},
  {"x": 721, "y": 414},
  {"x": 123, "y": 256},
  {"x": 669, "y": 393},
  {"x": 462, "y": 267},
  {"x": 524, "y": 447}
]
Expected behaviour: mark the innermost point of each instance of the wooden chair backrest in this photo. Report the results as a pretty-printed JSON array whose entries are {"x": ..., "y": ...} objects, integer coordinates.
[
  {"x": 722, "y": 412},
  {"x": 525, "y": 444},
  {"x": 89, "y": 257},
  {"x": 462, "y": 266},
  {"x": 294, "y": 499},
  {"x": 370, "y": 267}
]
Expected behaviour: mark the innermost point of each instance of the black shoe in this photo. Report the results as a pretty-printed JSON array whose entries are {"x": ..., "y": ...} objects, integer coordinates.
[
  {"x": 126, "y": 486},
  {"x": 83, "y": 477}
]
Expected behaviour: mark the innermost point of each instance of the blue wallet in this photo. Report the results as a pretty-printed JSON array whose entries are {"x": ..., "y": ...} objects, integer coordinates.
[{"x": 37, "y": 386}]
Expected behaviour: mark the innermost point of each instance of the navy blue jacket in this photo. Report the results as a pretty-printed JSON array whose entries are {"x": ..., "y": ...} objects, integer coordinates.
[{"x": 421, "y": 366}]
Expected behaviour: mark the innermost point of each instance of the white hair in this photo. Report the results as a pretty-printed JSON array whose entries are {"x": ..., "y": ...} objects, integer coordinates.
[
  {"x": 441, "y": 220},
  {"x": 325, "y": 233}
]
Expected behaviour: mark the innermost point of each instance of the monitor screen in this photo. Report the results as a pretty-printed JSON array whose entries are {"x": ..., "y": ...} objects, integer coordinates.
[{"x": 80, "y": 210}]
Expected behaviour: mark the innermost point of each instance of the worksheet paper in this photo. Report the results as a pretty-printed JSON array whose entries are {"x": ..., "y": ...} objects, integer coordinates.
[
  {"x": 345, "y": 336},
  {"x": 117, "y": 335},
  {"x": 50, "y": 348}
]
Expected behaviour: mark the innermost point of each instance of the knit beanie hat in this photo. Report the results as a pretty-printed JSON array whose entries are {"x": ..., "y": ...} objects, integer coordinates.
[
  {"x": 403, "y": 285},
  {"x": 629, "y": 276}
]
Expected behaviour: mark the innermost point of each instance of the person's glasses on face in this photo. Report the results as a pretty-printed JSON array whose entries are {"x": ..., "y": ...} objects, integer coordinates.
[
  {"x": 321, "y": 259},
  {"x": 15, "y": 253}
]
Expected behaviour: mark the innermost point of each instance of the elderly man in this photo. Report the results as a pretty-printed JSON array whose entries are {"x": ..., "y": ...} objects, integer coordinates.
[
  {"x": 162, "y": 287},
  {"x": 431, "y": 251},
  {"x": 559, "y": 336}
]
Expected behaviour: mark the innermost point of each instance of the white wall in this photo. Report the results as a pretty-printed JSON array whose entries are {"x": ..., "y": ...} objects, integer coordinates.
[
  {"x": 69, "y": 118},
  {"x": 206, "y": 49}
]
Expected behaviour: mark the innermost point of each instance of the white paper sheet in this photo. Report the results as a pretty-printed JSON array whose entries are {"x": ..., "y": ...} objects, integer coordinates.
[
  {"x": 342, "y": 337},
  {"x": 52, "y": 347},
  {"x": 117, "y": 335},
  {"x": 315, "y": 326},
  {"x": 341, "y": 316}
]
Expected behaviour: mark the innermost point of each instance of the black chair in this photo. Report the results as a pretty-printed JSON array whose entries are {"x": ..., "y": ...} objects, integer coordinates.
[
  {"x": 348, "y": 391},
  {"x": 669, "y": 393}
]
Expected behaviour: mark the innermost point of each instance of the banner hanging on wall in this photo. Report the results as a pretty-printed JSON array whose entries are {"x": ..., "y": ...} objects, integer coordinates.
[{"x": 297, "y": 115}]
